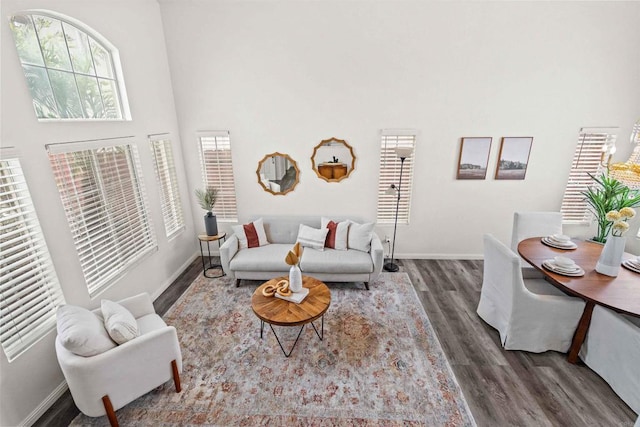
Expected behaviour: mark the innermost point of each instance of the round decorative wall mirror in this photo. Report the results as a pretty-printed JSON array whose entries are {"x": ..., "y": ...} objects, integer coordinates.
[
  {"x": 278, "y": 173},
  {"x": 333, "y": 160}
]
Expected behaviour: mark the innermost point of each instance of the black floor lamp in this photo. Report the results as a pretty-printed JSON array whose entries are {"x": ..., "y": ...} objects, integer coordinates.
[{"x": 403, "y": 153}]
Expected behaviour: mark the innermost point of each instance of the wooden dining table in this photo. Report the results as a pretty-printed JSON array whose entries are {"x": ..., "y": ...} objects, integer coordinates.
[{"x": 620, "y": 294}]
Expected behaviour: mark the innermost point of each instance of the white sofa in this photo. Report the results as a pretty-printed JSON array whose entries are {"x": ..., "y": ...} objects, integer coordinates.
[{"x": 329, "y": 265}]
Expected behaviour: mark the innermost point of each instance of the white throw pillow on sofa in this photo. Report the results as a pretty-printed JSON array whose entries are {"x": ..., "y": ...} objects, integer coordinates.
[
  {"x": 119, "y": 322},
  {"x": 251, "y": 240},
  {"x": 360, "y": 236},
  {"x": 312, "y": 237},
  {"x": 341, "y": 234},
  {"x": 81, "y": 332}
]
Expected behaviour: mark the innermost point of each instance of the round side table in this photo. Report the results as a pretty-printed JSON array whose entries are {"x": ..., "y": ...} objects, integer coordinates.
[{"x": 203, "y": 238}]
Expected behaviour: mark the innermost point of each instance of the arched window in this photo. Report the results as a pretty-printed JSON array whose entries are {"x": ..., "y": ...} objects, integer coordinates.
[{"x": 71, "y": 71}]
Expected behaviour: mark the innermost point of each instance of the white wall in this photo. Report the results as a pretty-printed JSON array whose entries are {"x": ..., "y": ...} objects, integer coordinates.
[
  {"x": 135, "y": 28},
  {"x": 283, "y": 75}
]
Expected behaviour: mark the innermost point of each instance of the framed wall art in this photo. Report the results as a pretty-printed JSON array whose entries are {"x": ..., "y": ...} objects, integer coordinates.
[
  {"x": 474, "y": 157},
  {"x": 514, "y": 157}
]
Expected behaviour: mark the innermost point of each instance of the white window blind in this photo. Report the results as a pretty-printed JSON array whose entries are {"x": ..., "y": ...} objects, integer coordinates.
[
  {"x": 217, "y": 167},
  {"x": 390, "y": 174},
  {"x": 29, "y": 289},
  {"x": 592, "y": 148},
  {"x": 168, "y": 183},
  {"x": 105, "y": 204}
]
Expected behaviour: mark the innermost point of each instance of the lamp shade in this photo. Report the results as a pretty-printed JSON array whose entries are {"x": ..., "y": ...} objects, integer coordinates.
[{"x": 404, "y": 152}]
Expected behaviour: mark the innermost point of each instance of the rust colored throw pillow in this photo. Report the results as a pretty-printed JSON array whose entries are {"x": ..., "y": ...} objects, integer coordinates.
[
  {"x": 331, "y": 235},
  {"x": 251, "y": 235},
  {"x": 337, "y": 235}
]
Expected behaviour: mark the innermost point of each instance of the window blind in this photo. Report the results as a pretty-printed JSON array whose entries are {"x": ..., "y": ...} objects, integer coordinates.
[
  {"x": 29, "y": 289},
  {"x": 171, "y": 204},
  {"x": 588, "y": 158},
  {"x": 217, "y": 167},
  {"x": 390, "y": 174},
  {"x": 105, "y": 205}
]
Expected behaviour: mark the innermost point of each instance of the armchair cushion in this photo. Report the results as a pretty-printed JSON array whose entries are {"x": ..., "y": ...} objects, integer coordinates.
[
  {"x": 119, "y": 322},
  {"x": 81, "y": 331}
]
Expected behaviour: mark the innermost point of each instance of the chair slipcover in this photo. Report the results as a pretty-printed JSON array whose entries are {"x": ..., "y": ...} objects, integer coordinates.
[
  {"x": 533, "y": 224},
  {"x": 127, "y": 371},
  {"x": 530, "y": 314},
  {"x": 612, "y": 350}
]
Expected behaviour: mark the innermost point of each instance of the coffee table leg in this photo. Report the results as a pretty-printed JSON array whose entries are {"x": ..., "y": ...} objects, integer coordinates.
[
  {"x": 280, "y": 344},
  {"x": 261, "y": 327},
  {"x": 321, "y": 334}
]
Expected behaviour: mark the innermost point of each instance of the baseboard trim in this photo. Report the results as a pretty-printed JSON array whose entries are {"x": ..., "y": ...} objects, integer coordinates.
[
  {"x": 45, "y": 404},
  {"x": 440, "y": 256},
  {"x": 174, "y": 276}
]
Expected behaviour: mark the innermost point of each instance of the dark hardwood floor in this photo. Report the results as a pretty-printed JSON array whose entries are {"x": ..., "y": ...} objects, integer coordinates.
[{"x": 502, "y": 388}]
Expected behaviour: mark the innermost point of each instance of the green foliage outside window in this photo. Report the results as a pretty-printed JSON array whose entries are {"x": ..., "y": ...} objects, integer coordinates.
[{"x": 70, "y": 75}]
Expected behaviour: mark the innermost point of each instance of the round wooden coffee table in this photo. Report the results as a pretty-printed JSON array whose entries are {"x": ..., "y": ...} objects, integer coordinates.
[{"x": 276, "y": 311}]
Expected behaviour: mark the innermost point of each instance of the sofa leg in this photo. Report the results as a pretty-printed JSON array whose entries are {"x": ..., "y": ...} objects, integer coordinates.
[
  {"x": 366, "y": 285},
  {"x": 237, "y": 283},
  {"x": 111, "y": 414},
  {"x": 176, "y": 375}
]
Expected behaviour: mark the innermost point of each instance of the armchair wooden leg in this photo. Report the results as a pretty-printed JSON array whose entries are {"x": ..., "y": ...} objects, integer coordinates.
[
  {"x": 366, "y": 285},
  {"x": 176, "y": 376},
  {"x": 111, "y": 414},
  {"x": 237, "y": 283}
]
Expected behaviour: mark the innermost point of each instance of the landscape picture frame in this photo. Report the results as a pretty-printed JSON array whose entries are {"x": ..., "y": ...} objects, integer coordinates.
[
  {"x": 513, "y": 159},
  {"x": 473, "y": 159}
]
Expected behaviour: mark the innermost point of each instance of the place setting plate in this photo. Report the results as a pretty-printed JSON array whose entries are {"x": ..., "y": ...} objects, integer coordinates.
[
  {"x": 563, "y": 243},
  {"x": 632, "y": 264},
  {"x": 573, "y": 271}
]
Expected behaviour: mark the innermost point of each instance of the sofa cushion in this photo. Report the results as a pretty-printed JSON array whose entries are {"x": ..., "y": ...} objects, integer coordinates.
[
  {"x": 333, "y": 261},
  {"x": 251, "y": 235},
  {"x": 310, "y": 237},
  {"x": 81, "y": 332},
  {"x": 119, "y": 322},
  {"x": 264, "y": 258},
  {"x": 338, "y": 233},
  {"x": 360, "y": 236}
]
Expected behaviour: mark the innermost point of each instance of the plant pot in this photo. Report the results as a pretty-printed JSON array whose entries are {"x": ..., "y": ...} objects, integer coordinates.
[
  {"x": 211, "y": 224},
  {"x": 611, "y": 256}
]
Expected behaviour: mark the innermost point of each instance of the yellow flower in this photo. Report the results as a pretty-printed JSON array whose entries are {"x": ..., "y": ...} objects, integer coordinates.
[
  {"x": 613, "y": 216},
  {"x": 627, "y": 213},
  {"x": 619, "y": 228}
]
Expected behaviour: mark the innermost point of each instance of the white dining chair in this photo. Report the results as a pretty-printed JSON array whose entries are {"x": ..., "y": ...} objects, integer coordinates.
[
  {"x": 612, "y": 350},
  {"x": 533, "y": 224},
  {"x": 530, "y": 314}
]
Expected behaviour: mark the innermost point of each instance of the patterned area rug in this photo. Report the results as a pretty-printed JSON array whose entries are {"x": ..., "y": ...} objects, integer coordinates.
[{"x": 380, "y": 364}]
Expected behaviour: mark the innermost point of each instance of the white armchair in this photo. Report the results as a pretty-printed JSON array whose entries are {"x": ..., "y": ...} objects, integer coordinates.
[
  {"x": 530, "y": 314},
  {"x": 612, "y": 350},
  {"x": 104, "y": 383},
  {"x": 533, "y": 224}
]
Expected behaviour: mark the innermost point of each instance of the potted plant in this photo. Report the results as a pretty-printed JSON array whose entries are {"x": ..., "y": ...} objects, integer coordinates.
[
  {"x": 207, "y": 199},
  {"x": 608, "y": 195}
]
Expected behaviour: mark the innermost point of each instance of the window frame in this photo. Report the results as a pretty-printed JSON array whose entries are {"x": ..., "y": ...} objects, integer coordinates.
[
  {"x": 389, "y": 173},
  {"x": 116, "y": 66},
  {"x": 35, "y": 309},
  {"x": 170, "y": 200},
  {"x": 107, "y": 242},
  {"x": 595, "y": 145},
  {"x": 227, "y": 196}
]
